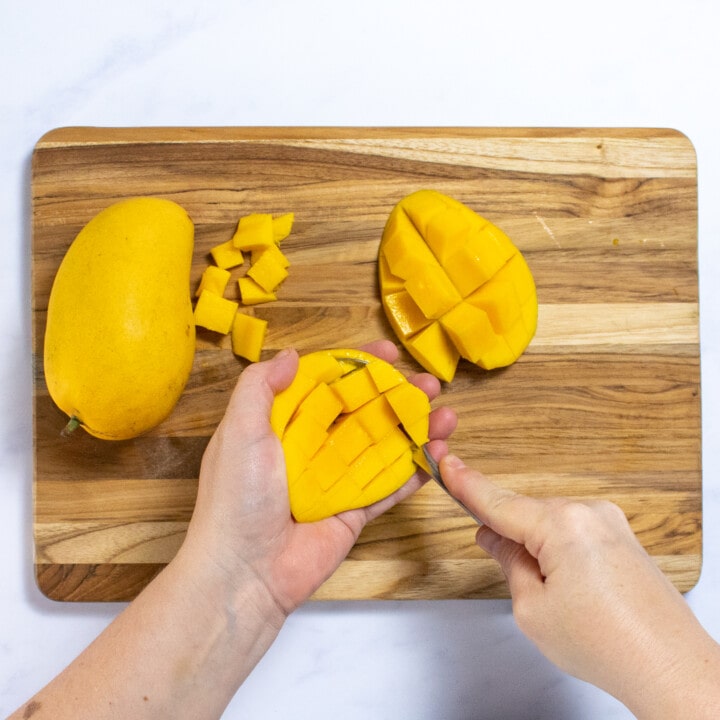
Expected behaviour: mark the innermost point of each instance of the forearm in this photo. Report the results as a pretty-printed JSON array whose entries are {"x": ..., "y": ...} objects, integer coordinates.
[
  {"x": 180, "y": 650},
  {"x": 679, "y": 677}
]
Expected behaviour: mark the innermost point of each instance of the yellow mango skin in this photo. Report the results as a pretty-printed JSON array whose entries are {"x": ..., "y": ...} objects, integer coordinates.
[{"x": 120, "y": 336}]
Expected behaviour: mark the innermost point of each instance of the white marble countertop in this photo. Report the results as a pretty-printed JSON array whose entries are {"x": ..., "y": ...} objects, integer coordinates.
[{"x": 379, "y": 62}]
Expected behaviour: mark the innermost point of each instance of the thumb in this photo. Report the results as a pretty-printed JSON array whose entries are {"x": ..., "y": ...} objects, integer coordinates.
[
  {"x": 520, "y": 568},
  {"x": 252, "y": 399}
]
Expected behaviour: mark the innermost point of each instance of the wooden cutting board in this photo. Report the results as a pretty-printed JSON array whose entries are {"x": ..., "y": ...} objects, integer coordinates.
[{"x": 604, "y": 404}]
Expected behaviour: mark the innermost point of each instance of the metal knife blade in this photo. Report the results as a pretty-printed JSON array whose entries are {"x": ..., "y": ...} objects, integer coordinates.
[{"x": 435, "y": 473}]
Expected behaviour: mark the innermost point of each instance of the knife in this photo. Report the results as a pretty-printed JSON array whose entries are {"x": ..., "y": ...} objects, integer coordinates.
[{"x": 435, "y": 474}]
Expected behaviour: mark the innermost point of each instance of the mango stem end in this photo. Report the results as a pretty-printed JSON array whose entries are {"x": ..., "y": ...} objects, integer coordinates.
[{"x": 71, "y": 427}]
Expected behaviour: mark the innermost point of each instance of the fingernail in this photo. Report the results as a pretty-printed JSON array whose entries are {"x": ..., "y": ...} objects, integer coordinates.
[
  {"x": 285, "y": 352},
  {"x": 453, "y": 462},
  {"x": 487, "y": 539}
]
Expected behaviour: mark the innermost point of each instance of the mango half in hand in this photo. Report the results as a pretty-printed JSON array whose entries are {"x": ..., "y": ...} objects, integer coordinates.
[
  {"x": 350, "y": 425},
  {"x": 454, "y": 285}
]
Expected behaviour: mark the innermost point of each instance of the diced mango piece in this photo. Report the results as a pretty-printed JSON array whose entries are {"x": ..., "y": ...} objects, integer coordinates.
[
  {"x": 406, "y": 253},
  {"x": 393, "y": 445},
  {"x": 515, "y": 281},
  {"x": 304, "y": 494},
  {"x": 377, "y": 417},
  {"x": 365, "y": 467},
  {"x": 343, "y": 495},
  {"x": 349, "y": 437},
  {"x": 214, "y": 312},
  {"x": 354, "y": 389},
  {"x": 267, "y": 272},
  {"x": 448, "y": 231},
  {"x": 404, "y": 314},
  {"x": 248, "y": 336},
  {"x": 469, "y": 328},
  {"x": 281, "y": 226},
  {"x": 421, "y": 207},
  {"x": 476, "y": 263},
  {"x": 326, "y": 467},
  {"x": 323, "y": 404},
  {"x": 227, "y": 256},
  {"x": 432, "y": 291},
  {"x": 322, "y": 366},
  {"x": 296, "y": 460},
  {"x": 418, "y": 430},
  {"x": 287, "y": 401},
  {"x": 389, "y": 283},
  {"x": 434, "y": 350},
  {"x": 388, "y": 480},
  {"x": 214, "y": 280},
  {"x": 412, "y": 408},
  {"x": 252, "y": 294},
  {"x": 253, "y": 232},
  {"x": 304, "y": 431},
  {"x": 384, "y": 375},
  {"x": 420, "y": 459},
  {"x": 274, "y": 251}
]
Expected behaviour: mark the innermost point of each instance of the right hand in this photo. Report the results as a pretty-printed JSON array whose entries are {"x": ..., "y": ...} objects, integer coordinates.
[{"x": 588, "y": 595}]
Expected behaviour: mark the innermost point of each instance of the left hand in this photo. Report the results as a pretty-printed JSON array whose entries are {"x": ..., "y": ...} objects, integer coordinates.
[{"x": 242, "y": 517}]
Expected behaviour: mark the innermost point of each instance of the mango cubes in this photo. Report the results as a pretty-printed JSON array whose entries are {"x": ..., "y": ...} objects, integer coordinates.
[
  {"x": 349, "y": 424},
  {"x": 453, "y": 285},
  {"x": 257, "y": 237}
]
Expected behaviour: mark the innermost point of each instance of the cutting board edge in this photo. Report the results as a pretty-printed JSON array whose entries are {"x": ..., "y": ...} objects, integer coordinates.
[{"x": 103, "y": 134}]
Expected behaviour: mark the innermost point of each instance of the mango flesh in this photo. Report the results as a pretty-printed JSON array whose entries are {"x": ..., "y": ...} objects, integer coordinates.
[
  {"x": 453, "y": 285},
  {"x": 120, "y": 335},
  {"x": 349, "y": 424}
]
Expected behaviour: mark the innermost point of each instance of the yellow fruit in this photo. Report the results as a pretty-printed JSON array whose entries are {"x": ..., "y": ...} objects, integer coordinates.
[
  {"x": 248, "y": 336},
  {"x": 252, "y": 294},
  {"x": 214, "y": 312},
  {"x": 254, "y": 232},
  {"x": 120, "y": 336},
  {"x": 454, "y": 285},
  {"x": 267, "y": 271},
  {"x": 348, "y": 423},
  {"x": 226, "y": 255},
  {"x": 214, "y": 279},
  {"x": 259, "y": 235}
]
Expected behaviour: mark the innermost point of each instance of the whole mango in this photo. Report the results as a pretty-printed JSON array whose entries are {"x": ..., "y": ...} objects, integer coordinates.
[{"x": 120, "y": 335}]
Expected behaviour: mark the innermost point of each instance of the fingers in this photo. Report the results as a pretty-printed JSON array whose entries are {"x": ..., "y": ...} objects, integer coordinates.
[
  {"x": 443, "y": 422},
  {"x": 514, "y": 516},
  {"x": 251, "y": 401},
  {"x": 519, "y": 567},
  {"x": 383, "y": 349}
]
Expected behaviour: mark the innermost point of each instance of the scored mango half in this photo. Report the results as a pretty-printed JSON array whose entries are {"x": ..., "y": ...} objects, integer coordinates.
[
  {"x": 453, "y": 285},
  {"x": 350, "y": 425}
]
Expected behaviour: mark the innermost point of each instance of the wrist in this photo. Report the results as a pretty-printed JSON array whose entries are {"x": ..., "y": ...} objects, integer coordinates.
[
  {"x": 227, "y": 587},
  {"x": 679, "y": 680}
]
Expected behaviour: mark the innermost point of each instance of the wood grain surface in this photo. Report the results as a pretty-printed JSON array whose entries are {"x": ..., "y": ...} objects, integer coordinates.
[{"x": 605, "y": 403}]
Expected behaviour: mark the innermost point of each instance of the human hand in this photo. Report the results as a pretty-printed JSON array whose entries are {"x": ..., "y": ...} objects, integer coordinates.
[
  {"x": 590, "y": 597},
  {"x": 242, "y": 517}
]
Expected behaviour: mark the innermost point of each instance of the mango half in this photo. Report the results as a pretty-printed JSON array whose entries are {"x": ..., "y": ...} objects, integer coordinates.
[
  {"x": 350, "y": 426},
  {"x": 120, "y": 335},
  {"x": 453, "y": 285}
]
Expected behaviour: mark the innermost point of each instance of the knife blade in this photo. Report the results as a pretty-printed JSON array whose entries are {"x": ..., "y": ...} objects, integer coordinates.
[{"x": 435, "y": 474}]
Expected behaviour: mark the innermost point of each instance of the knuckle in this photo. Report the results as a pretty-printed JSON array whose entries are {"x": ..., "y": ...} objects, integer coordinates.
[
  {"x": 573, "y": 517},
  {"x": 577, "y": 521}
]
